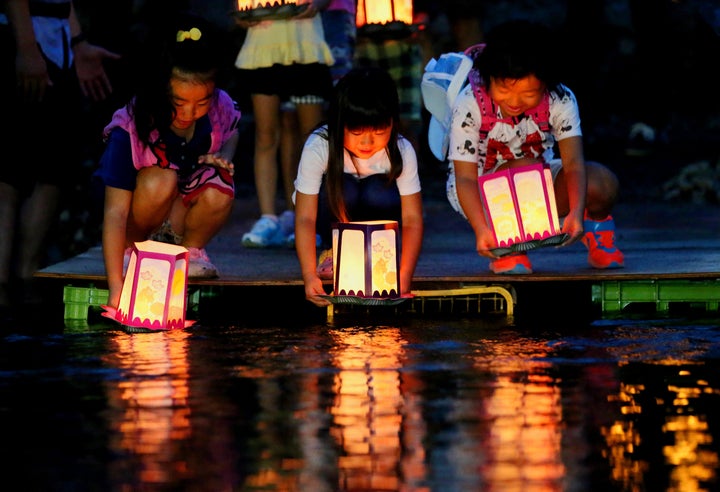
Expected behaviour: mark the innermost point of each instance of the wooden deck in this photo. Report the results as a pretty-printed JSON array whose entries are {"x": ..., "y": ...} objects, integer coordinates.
[{"x": 661, "y": 242}]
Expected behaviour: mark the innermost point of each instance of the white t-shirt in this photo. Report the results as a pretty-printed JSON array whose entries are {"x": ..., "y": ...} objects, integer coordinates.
[
  {"x": 465, "y": 144},
  {"x": 314, "y": 162}
]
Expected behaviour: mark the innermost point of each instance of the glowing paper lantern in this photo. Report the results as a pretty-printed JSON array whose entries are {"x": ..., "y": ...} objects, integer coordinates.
[
  {"x": 365, "y": 259},
  {"x": 520, "y": 208},
  {"x": 154, "y": 293},
  {"x": 269, "y": 9},
  {"x": 385, "y": 18}
]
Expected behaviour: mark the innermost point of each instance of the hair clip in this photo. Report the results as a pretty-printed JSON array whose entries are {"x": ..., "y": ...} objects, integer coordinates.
[{"x": 193, "y": 34}]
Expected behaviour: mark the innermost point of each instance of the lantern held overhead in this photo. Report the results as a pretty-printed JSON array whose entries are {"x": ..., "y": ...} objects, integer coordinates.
[
  {"x": 258, "y": 10},
  {"x": 385, "y": 19}
]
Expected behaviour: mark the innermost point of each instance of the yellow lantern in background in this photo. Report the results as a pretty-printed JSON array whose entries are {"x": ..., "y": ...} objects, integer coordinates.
[
  {"x": 269, "y": 9},
  {"x": 154, "y": 293},
  {"x": 520, "y": 208},
  {"x": 365, "y": 259},
  {"x": 385, "y": 18}
]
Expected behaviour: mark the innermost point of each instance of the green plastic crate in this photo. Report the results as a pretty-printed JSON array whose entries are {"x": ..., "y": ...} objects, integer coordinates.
[
  {"x": 614, "y": 296},
  {"x": 79, "y": 299}
]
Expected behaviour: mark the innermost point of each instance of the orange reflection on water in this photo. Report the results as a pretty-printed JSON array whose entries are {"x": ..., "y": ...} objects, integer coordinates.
[
  {"x": 371, "y": 413},
  {"x": 690, "y": 451},
  {"x": 152, "y": 398}
]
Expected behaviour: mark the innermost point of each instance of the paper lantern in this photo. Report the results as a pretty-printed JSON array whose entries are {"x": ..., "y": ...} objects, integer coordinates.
[
  {"x": 154, "y": 293},
  {"x": 270, "y": 9},
  {"x": 365, "y": 259},
  {"x": 392, "y": 19},
  {"x": 520, "y": 208}
]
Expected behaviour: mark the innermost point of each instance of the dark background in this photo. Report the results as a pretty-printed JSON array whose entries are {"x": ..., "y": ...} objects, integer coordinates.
[{"x": 651, "y": 61}]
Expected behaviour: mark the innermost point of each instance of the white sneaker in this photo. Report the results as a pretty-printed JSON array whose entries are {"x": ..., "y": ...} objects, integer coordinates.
[
  {"x": 200, "y": 265},
  {"x": 265, "y": 233}
]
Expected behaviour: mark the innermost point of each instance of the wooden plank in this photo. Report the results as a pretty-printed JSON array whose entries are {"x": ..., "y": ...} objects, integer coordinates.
[{"x": 660, "y": 241}]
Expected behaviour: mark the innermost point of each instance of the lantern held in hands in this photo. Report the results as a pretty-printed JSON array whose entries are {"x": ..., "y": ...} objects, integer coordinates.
[
  {"x": 366, "y": 262},
  {"x": 269, "y": 9},
  {"x": 154, "y": 293},
  {"x": 385, "y": 19},
  {"x": 520, "y": 208}
]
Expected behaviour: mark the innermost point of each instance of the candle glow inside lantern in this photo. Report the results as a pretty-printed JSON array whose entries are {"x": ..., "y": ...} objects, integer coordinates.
[
  {"x": 365, "y": 259},
  {"x": 269, "y": 9},
  {"x": 385, "y": 18},
  {"x": 520, "y": 208},
  {"x": 154, "y": 293}
]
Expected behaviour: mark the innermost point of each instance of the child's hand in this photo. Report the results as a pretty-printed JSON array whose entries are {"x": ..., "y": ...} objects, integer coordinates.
[
  {"x": 218, "y": 161},
  {"x": 573, "y": 227},
  {"x": 484, "y": 242},
  {"x": 313, "y": 290}
]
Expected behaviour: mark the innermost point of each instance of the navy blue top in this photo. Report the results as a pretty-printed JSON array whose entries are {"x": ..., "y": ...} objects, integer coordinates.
[{"x": 116, "y": 165}]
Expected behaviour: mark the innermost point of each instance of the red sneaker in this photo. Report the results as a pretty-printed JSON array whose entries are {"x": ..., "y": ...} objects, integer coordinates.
[
  {"x": 515, "y": 264},
  {"x": 600, "y": 241}
]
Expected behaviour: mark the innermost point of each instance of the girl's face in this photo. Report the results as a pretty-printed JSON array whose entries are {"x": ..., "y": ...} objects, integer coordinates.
[
  {"x": 364, "y": 142},
  {"x": 514, "y": 97},
  {"x": 191, "y": 100}
]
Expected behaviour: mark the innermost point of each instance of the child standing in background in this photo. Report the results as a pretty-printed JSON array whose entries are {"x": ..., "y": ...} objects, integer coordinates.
[
  {"x": 341, "y": 35},
  {"x": 169, "y": 153},
  {"x": 357, "y": 167},
  {"x": 282, "y": 61},
  {"x": 48, "y": 71}
]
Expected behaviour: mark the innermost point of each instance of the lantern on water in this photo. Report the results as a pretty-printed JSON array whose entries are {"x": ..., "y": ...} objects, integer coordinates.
[
  {"x": 520, "y": 208},
  {"x": 154, "y": 293},
  {"x": 384, "y": 18},
  {"x": 365, "y": 259}
]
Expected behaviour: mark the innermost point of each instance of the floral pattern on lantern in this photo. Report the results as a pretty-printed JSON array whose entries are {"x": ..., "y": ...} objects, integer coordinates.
[
  {"x": 365, "y": 259},
  {"x": 154, "y": 293},
  {"x": 520, "y": 208}
]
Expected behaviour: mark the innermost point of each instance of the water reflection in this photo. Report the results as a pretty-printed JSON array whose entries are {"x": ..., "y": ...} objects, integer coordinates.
[
  {"x": 149, "y": 405},
  {"x": 422, "y": 406}
]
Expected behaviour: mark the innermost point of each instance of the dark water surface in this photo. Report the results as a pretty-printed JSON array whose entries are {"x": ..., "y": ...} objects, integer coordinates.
[{"x": 463, "y": 404}]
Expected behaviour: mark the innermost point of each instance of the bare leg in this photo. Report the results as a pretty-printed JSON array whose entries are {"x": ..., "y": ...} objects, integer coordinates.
[
  {"x": 205, "y": 217},
  {"x": 267, "y": 140},
  {"x": 8, "y": 209},
  {"x": 36, "y": 218},
  {"x": 290, "y": 148}
]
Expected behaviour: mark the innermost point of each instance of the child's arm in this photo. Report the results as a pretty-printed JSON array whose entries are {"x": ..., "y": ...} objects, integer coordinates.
[
  {"x": 468, "y": 192},
  {"x": 223, "y": 158},
  {"x": 114, "y": 238},
  {"x": 412, "y": 235},
  {"x": 31, "y": 70},
  {"x": 571, "y": 154},
  {"x": 306, "y": 208}
]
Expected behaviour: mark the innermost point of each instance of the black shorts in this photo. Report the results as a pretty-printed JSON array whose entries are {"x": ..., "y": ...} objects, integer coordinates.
[{"x": 288, "y": 81}]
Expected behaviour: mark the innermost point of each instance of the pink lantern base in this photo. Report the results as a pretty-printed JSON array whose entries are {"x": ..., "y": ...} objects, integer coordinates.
[{"x": 116, "y": 315}]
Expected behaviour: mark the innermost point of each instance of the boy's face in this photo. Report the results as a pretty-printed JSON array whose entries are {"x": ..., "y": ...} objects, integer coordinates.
[
  {"x": 191, "y": 100},
  {"x": 515, "y": 96},
  {"x": 364, "y": 142}
]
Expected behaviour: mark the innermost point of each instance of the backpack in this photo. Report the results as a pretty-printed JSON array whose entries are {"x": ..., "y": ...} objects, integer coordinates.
[{"x": 442, "y": 82}]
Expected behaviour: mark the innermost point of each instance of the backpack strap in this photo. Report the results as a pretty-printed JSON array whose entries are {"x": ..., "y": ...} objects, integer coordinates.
[{"x": 488, "y": 113}]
